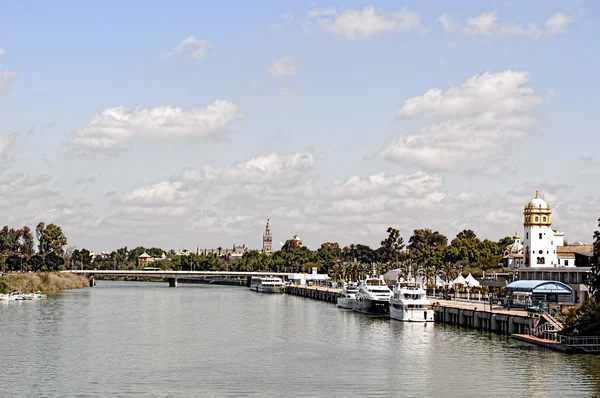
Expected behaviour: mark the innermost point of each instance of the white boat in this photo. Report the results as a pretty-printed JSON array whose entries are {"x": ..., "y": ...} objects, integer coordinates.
[
  {"x": 409, "y": 303},
  {"x": 18, "y": 296},
  {"x": 373, "y": 297},
  {"x": 347, "y": 297},
  {"x": 266, "y": 284},
  {"x": 39, "y": 295}
]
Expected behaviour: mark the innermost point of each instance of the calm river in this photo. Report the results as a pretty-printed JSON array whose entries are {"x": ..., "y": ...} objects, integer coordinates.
[{"x": 136, "y": 339}]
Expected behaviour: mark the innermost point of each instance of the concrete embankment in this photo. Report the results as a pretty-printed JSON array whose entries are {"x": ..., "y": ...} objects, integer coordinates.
[
  {"x": 315, "y": 292},
  {"x": 42, "y": 281},
  {"x": 479, "y": 316}
]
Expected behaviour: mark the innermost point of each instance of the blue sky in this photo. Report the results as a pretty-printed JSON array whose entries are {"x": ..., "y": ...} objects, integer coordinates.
[{"x": 312, "y": 111}]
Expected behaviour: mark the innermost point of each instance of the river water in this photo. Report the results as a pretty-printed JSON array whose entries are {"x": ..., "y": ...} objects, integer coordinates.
[{"x": 123, "y": 339}]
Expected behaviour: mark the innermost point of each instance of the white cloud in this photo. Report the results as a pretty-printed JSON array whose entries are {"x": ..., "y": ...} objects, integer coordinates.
[
  {"x": 470, "y": 122},
  {"x": 7, "y": 143},
  {"x": 17, "y": 189},
  {"x": 558, "y": 23},
  {"x": 163, "y": 194},
  {"x": 6, "y": 78},
  {"x": 360, "y": 24},
  {"x": 2, "y": 52},
  {"x": 114, "y": 128},
  {"x": 191, "y": 48},
  {"x": 447, "y": 23},
  {"x": 379, "y": 184},
  {"x": 488, "y": 24},
  {"x": 283, "y": 67},
  {"x": 259, "y": 170},
  {"x": 502, "y": 92}
]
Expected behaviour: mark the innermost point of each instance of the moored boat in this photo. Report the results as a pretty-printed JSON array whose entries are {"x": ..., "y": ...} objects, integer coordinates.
[
  {"x": 373, "y": 297},
  {"x": 409, "y": 303},
  {"x": 347, "y": 297},
  {"x": 267, "y": 284}
]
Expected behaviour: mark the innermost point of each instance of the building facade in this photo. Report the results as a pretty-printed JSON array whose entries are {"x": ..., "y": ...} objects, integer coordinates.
[
  {"x": 267, "y": 240},
  {"x": 542, "y": 255},
  {"x": 236, "y": 251},
  {"x": 540, "y": 241}
]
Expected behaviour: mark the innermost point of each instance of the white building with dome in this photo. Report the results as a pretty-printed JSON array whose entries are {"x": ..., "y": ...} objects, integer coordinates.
[
  {"x": 540, "y": 241},
  {"x": 540, "y": 254}
]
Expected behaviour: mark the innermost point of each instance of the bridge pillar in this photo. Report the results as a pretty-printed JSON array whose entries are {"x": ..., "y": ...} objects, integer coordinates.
[{"x": 172, "y": 282}]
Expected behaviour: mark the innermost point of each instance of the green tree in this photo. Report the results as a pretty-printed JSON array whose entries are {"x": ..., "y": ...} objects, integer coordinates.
[
  {"x": 53, "y": 261},
  {"x": 392, "y": 246},
  {"x": 86, "y": 258},
  {"x": 593, "y": 279},
  {"x": 50, "y": 239},
  {"x": 35, "y": 263},
  {"x": 26, "y": 241},
  {"x": 423, "y": 240},
  {"x": 39, "y": 234}
]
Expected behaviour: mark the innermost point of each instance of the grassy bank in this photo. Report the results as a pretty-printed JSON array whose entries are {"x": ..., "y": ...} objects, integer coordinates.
[{"x": 42, "y": 281}]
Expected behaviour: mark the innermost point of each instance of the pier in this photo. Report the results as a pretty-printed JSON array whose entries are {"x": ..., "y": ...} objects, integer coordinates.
[
  {"x": 479, "y": 315},
  {"x": 322, "y": 293}
]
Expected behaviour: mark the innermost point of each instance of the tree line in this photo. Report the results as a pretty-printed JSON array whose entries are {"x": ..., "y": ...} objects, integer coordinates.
[
  {"x": 17, "y": 248},
  {"x": 427, "y": 253}
]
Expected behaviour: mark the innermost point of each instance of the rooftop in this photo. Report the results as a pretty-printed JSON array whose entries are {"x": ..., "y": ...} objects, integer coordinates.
[
  {"x": 539, "y": 287},
  {"x": 569, "y": 251}
]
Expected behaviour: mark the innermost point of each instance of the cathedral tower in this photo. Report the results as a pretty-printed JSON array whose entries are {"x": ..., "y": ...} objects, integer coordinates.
[{"x": 267, "y": 240}]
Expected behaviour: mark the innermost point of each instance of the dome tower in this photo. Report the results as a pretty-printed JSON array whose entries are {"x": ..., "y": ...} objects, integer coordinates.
[{"x": 539, "y": 240}]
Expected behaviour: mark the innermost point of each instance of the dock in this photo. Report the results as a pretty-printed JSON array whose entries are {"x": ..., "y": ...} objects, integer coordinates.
[
  {"x": 479, "y": 315},
  {"x": 321, "y": 293}
]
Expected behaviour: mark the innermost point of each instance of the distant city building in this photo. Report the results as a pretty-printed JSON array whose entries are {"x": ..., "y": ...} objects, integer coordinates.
[
  {"x": 236, "y": 251},
  {"x": 144, "y": 260},
  {"x": 267, "y": 240}
]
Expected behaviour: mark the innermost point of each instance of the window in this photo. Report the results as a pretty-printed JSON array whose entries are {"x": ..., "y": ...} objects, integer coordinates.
[
  {"x": 552, "y": 242},
  {"x": 541, "y": 252},
  {"x": 526, "y": 235},
  {"x": 540, "y": 236},
  {"x": 541, "y": 260},
  {"x": 559, "y": 261},
  {"x": 537, "y": 218},
  {"x": 566, "y": 262},
  {"x": 544, "y": 219}
]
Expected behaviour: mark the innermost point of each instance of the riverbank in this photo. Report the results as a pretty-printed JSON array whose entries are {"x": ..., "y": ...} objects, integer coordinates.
[{"x": 41, "y": 281}]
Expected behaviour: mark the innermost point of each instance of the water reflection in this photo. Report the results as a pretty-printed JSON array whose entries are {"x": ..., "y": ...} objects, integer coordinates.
[{"x": 127, "y": 339}]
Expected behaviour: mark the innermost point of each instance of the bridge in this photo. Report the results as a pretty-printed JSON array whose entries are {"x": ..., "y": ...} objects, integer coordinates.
[{"x": 173, "y": 276}]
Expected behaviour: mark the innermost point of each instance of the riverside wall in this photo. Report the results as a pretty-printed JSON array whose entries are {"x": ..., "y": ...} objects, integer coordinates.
[{"x": 329, "y": 295}]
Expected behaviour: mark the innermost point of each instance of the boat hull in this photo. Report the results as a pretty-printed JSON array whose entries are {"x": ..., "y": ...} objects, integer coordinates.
[
  {"x": 269, "y": 289},
  {"x": 347, "y": 303},
  {"x": 372, "y": 307},
  {"x": 400, "y": 313}
]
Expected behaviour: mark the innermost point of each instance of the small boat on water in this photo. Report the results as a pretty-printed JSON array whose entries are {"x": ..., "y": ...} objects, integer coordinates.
[
  {"x": 17, "y": 296},
  {"x": 373, "y": 297},
  {"x": 267, "y": 284},
  {"x": 347, "y": 297},
  {"x": 409, "y": 303}
]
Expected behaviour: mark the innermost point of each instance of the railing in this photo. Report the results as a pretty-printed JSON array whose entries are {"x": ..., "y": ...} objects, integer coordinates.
[
  {"x": 543, "y": 329},
  {"x": 584, "y": 343}
]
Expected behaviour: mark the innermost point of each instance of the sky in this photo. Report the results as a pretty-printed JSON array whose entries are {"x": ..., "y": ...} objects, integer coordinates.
[{"x": 188, "y": 124}]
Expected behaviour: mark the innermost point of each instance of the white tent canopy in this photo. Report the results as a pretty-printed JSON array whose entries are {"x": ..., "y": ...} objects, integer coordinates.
[{"x": 471, "y": 282}]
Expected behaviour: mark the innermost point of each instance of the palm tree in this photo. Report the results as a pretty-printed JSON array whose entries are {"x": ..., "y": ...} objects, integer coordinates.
[{"x": 449, "y": 272}]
